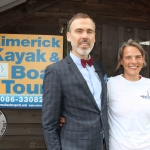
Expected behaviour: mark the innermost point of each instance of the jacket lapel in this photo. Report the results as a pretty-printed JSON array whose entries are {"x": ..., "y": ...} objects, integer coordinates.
[
  {"x": 99, "y": 71},
  {"x": 80, "y": 79}
]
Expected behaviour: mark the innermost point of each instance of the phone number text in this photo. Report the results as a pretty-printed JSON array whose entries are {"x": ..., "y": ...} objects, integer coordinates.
[{"x": 21, "y": 99}]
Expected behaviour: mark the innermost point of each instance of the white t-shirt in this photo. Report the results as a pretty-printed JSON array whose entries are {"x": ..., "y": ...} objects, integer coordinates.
[{"x": 129, "y": 113}]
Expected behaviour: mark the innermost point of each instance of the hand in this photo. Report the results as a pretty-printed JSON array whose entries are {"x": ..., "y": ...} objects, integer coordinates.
[{"x": 62, "y": 121}]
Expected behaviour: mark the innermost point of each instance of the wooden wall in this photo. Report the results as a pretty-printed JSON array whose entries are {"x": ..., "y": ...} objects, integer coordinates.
[
  {"x": 129, "y": 13},
  {"x": 116, "y": 21},
  {"x": 112, "y": 38},
  {"x": 24, "y": 130}
]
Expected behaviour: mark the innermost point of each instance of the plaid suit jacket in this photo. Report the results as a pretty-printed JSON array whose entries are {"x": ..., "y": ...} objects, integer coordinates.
[{"x": 67, "y": 94}]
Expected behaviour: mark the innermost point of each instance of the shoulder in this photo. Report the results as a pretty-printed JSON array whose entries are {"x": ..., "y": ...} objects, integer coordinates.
[
  {"x": 98, "y": 64},
  {"x": 114, "y": 79},
  {"x": 54, "y": 68},
  {"x": 146, "y": 80},
  {"x": 99, "y": 67},
  {"x": 56, "y": 65}
]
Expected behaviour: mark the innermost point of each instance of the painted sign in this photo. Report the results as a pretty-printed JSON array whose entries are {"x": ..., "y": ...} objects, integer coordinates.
[
  {"x": 3, "y": 124},
  {"x": 23, "y": 59}
]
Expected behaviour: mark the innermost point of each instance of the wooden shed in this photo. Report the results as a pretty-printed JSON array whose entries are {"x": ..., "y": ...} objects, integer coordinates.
[{"x": 116, "y": 22}]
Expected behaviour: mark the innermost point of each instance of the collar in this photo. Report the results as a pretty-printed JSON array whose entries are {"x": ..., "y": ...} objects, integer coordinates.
[{"x": 76, "y": 59}]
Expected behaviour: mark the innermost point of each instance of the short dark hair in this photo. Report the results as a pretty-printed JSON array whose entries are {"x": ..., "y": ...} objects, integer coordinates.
[{"x": 78, "y": 15}]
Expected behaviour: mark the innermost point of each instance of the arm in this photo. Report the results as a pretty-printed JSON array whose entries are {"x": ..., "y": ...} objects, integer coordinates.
[{"x": 51, "y": 108}]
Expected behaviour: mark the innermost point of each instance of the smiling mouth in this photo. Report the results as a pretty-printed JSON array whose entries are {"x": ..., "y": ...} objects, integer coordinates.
[
  {"x": 133, "y": 67},
  {"x": 84, "y": 45}
]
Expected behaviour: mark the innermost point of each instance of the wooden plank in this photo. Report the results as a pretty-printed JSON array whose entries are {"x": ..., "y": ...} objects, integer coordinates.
[
  {"x": 119, "y": 12},
  {"x": 66, "y": 49},
  {"x": 124, "y": 35},
  {"x": 109, "y": 48},
  {"x": 26, "y": 142},
  {"x": 101, "y": 9},
  {"x": 24, "y": 129},
  {"x": 92, "y": 1},
  {"x": 44, "y": 28},
  {"x": 77, "y": 0},
  {"x": 33, "y": 6},
  {"x": 23, "y": 115},
  {"x": 133, "y": 3},
  {"x": 10, "y": 17},
  {"x": 18, "y": 13},
  {"x": 40, "y": 17},
  {"x": 44, "y": 18},
  {"x": 118, "y": 2},
  {"x": 143, "y": 35},
  {"x": 136, "y": 34},
  {"x": 9, "y": 29},
  {"x": 121, "y": 39},
  {"x": 22, "y": 148},
  {"x": 123, "y": 21},
  {"x": 146, "y": 2},
  {"x": 97, "y": 50},
  {"x": 28, "y": 28}
]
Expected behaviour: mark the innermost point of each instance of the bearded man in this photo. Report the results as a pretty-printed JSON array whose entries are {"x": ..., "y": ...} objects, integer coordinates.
[{"x": 75, "y": 89}]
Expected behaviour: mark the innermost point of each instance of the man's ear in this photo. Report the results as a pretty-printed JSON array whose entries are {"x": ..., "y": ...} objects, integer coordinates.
[{"x": 68, "y": 36}]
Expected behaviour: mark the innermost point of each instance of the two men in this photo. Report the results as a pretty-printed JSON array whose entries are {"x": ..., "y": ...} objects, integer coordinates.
[{"x": 75, "y": 88}]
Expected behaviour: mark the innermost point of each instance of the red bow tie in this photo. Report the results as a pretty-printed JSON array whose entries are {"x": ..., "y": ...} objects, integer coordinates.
[{"x": 89, "y": 62}]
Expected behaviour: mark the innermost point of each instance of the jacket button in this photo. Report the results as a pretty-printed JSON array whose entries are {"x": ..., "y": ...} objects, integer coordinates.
[{"x": 101, "y": 132}]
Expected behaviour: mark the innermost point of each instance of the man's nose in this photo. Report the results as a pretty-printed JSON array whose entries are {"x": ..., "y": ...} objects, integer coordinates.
[{"x": 84, "y": 35}]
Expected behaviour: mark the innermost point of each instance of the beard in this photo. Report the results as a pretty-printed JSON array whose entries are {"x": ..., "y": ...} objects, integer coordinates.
[{"x": 82, "y": 51}]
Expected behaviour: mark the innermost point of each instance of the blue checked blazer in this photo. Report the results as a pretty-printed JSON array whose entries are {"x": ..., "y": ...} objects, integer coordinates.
[{"x": 67, "y": 94}]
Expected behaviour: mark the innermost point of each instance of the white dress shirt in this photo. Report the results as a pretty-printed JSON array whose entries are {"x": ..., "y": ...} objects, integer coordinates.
[{"x": 91, "y": 78}]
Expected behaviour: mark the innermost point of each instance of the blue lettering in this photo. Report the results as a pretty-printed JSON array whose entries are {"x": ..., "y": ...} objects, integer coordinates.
[
  {"x": 3, "y": 41},
  {"x": 11, "y": 42},
  {"x": 32, "y": 74},
  {"x": 8, "y": 85},
  {"x": 55, "y": 43},
  {"x": 1, "y": 58},
  {"x": 18, "y": 72},
  {"x": 39, "y": 41},
  {"x": 20, "y": 87},
  {"x": 40, "y": 56},
  {"x": 31, "y": 57},
  {"x": 10, "y": 57},
  {"x": 29, "y": 42},
  {"x": 25, "y": 43},
  {"x": 44, "y": 43},
  {"x": 19, "y": 57},
  {"x": 33, "y": 42},
  {"x": 34, "y": 91}
]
